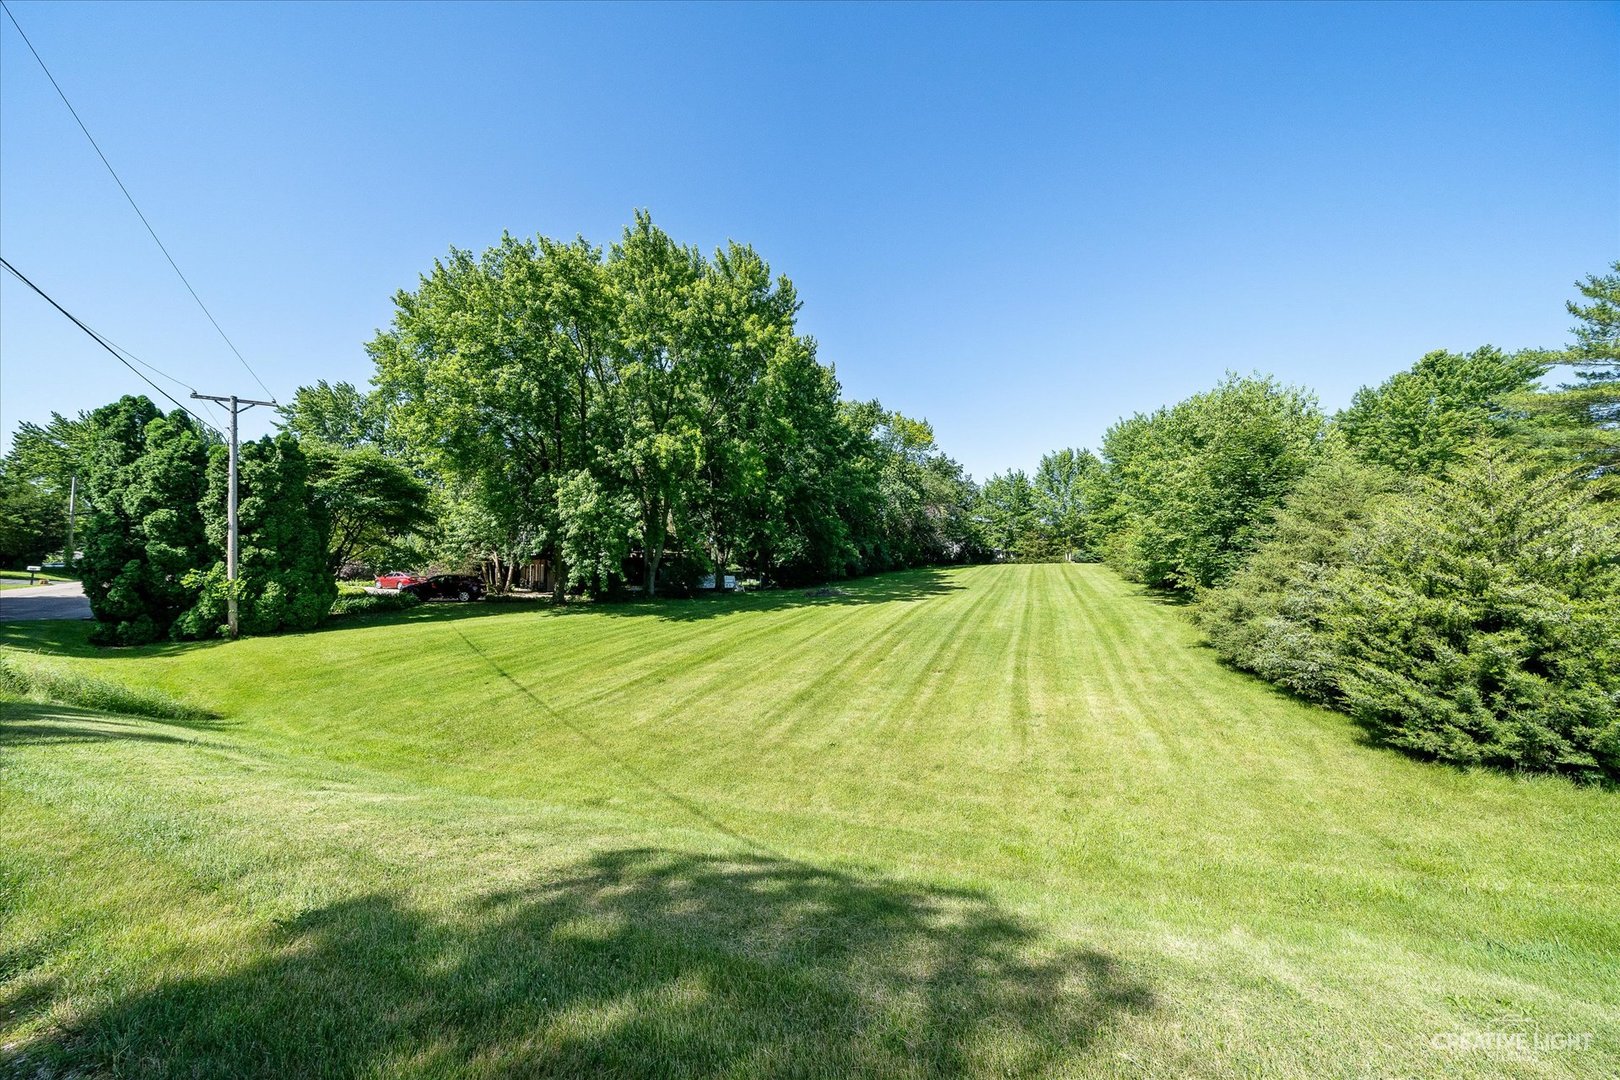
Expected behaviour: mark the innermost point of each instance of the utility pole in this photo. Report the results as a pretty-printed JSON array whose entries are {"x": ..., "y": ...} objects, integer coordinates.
[
  {"x": 237, "y": 406},
  {"x": 73, "y": 517}
]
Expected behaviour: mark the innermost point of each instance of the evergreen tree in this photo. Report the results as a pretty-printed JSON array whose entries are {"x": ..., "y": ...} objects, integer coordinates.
[
  {"x": 283, "y": 580},
  {"x": 1478, "y": 621},
  {"x": 161, "y": 501},
  {"x": 1269, "y": 618},
  {"x": 1580, "y": 422},
  {"x": 114, "y": 553}
]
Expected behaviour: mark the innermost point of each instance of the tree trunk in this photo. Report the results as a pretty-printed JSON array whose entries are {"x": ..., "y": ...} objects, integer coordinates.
[
  {"x": 652, "y": 561},
  {"x": 653, "y": 540}
]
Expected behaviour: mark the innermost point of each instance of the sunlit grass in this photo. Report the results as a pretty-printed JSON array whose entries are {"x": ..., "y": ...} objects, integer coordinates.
[{"x": 988, "y": 821}]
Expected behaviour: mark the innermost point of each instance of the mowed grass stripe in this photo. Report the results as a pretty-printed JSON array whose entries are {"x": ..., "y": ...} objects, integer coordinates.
[{"x": 1002, "y": 820}]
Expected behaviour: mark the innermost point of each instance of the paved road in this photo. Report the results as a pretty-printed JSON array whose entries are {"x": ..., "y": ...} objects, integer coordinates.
[{"x": 61, "y": 601}]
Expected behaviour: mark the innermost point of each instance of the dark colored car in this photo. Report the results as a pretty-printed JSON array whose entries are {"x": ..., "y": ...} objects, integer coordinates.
[{"x": 446, "y": 587}]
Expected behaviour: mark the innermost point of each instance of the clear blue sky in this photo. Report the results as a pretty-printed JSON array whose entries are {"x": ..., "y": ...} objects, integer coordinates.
[{"x": 1017, "y": 222}]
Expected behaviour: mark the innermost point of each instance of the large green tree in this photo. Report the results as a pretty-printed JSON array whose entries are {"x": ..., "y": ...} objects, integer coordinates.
[
  {"x": 36, "y": 484},
  {"x": 372, "y": 501},
  {"x": 555, "y": 388},
  {"x": 909, "y": 503},
  {"x": 33, "y": 521},
  {"x": 1190, "y": 489},
  {"x": 1064, "y": 481},
  {"x": 338, "y": 414},
  {"x": 494, "y": 373},
  {"x": 1010, "y": 517},
  {"x": 51, "y": 455},
  {"x": 654, "y": 443},
  {"x": 798, "y": 516},
  {"x": 1422, "y": 420}
]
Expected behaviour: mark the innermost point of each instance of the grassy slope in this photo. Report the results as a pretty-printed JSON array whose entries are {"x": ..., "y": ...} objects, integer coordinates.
[{"x": 985, "y": 821}]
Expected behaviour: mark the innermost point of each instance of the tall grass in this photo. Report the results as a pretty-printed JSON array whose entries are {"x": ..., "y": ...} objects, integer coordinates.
[{"x": 60, "y": 686}]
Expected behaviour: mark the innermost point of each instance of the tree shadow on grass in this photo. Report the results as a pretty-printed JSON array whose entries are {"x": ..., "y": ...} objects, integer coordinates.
[
  {"x": 905, "y": 586},
  {"x": 900, "y": 587},
  {"x": 57, "y": 638},
  {"x": 72, "y": 639},
  {"x": 23, "y": 723},
  {"x": 632, "y": 963}
]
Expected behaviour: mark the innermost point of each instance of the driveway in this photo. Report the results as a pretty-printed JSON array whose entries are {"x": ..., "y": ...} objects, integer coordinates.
[{"x": 64, "y": 600}]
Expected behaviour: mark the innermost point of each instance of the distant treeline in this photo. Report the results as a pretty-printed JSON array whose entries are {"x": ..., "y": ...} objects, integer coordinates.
[{"x": 1441, "y": 560}]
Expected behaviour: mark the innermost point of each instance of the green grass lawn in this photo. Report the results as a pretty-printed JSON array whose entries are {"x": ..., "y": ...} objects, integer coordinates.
[{"x": 982, "y": 822}]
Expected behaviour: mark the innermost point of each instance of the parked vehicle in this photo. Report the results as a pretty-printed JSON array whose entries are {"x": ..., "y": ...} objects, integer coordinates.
[
  {"x": 446, "y": 587},
  {"x": 397, "y": 580}
]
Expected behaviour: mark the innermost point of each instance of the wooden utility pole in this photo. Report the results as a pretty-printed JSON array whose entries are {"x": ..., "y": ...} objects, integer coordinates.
[{"x": 237, "y": 405}]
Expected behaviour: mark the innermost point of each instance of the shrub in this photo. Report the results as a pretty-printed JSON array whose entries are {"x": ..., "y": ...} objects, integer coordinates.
[
  {"x": 1478, "y": 621},
  {"x": 1269, "y": 618},
  {"x": 349, "y": 603},
  {"x": 1474, "y": 620}
]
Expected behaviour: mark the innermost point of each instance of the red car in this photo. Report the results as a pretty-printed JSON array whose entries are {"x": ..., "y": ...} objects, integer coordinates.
[{"x": 397, "y": 580}]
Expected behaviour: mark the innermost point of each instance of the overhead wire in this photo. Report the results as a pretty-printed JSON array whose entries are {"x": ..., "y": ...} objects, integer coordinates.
[
  {"x": 160, "y": 373},
  {"x": 99, "y": 340},
  {"x": 117, "y": 180}
]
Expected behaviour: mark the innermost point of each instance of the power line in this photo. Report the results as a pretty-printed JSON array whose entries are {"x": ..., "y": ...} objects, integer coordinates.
[
  {"x": 99, "y": 340},
  {"x": 154, "y": 369},
  {"x": 131, "y": 198}
]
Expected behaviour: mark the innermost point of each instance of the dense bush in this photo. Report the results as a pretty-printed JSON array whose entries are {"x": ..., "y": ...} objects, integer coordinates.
[
  {"x": 1473, "y": 620},
  {"x": 349, "y": 603},
  {"x": 1478, "y": 620},
  {"x": 143, "y": 534},
  {"x": 283, "y": 581},
  {"x": 1268, "y": 618}
]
